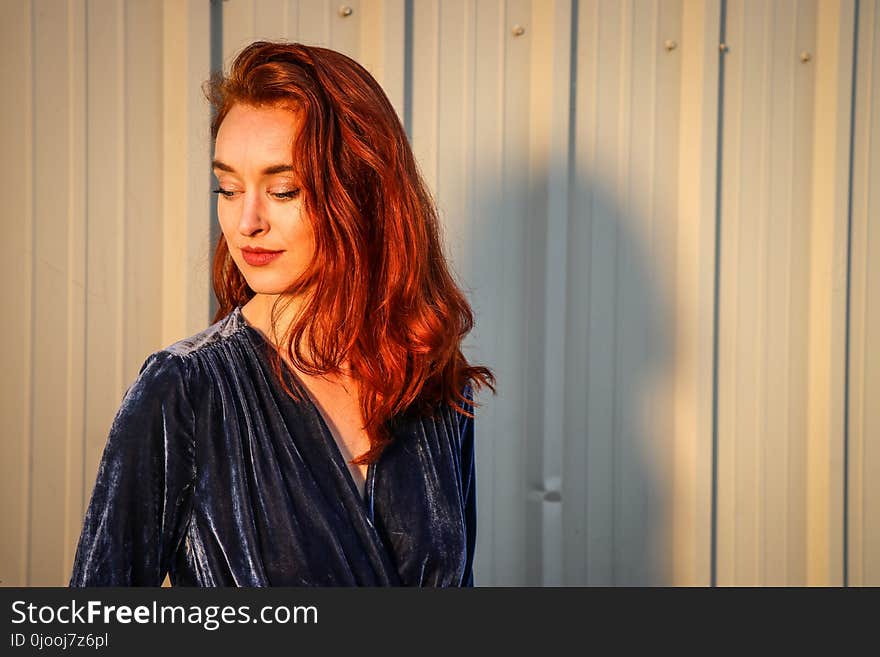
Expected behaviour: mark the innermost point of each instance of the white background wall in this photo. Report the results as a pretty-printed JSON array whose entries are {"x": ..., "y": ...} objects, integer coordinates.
[{"x": 668, "y": 246}]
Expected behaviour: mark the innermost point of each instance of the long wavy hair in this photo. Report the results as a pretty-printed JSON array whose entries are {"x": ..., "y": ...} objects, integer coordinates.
[{"x": 381, "y": 294}]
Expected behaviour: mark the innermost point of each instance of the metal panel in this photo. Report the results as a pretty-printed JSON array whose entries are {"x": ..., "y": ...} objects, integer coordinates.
[
  {"x": 782, "y": 319},
  {"x": 864, "y": 362},
  {"x": 692, "y": 499},
  {"x": 490, "y": 265},
  {"x": 371, "y": 32},
  {"x": 87, "y": 157},
  {"x": 768, "y": 124},
  {"x": 106, "y": 240},
  {"x": 828, "y": 266},
  {"x": 238, "y": 27},
  {"x": 621, "y": 281},
  {"x": 16, "y": 386},
  {"x": 511, "y": 423},
  {"x": 76, "y": 469},
  {"x": 383, "y": 46},
  {"x": 57, "y": 367},
  {"x": 425, "y": 67},
  {"x": 186, "y": 157},
  {"x": 315, "y": 22},
  {"x": 549, "y": 182},
  {"x": 599, "y": 194}
]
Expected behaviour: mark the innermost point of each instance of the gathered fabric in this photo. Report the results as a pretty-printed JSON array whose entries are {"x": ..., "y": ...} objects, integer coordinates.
[{"x": 214, "y": 475}]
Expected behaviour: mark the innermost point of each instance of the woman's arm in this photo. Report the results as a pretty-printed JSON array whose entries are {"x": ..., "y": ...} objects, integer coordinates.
[{"x": 142, "y": 497}]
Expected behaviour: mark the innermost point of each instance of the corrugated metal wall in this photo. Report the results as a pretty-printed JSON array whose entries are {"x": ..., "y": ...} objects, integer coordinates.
[
  {"x": 655, "y": 232},
  {"x": 106, "y": 228},
  {"x": 864, "y": 285},
  {"x": 764, "y": 291}
]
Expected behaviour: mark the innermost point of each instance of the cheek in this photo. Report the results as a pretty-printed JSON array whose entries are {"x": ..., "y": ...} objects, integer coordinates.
[
  {"x": 305, "y": 235},
  {"x": 307, "y": 241},
  {"x": 297, "y": 231},
  {"x": 225, "y": 218}
]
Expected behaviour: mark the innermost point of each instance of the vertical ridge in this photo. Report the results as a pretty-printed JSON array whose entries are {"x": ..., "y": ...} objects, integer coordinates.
[
  {"x": 737, "y": 305},
  {"x": 590, "y": 138},
  {"x": 438, "y": 18},
  {"x": 30, "y": 311},
  {"x": 502, "y": 70},
  {"x": 468, "y": 74},
  {"x": 652, "y": 138},
  {"x": 623, "y": 151},
  {"x": 408, "y": 67},
  {"x": 848, "y": 292},
  {"x": 84, "y": 492},
  {"x": 72, "y": 236},
  {"x": 120, "y": 198},
  {"x": 571, "y": 165},
  {"x": 789, "y": 309},
  {"x": 716, "y": 309},
  {"x": 650, "y": 416},
  {"x": 762, "y": 299},
  {"x": 469, "y": 109},
  {"x": 869, "y": 161}
]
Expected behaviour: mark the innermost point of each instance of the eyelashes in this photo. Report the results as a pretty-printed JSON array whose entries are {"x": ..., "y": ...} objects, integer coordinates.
[
  {"x": 287, "y": 195},
  {"x": 281, "y": 196}
]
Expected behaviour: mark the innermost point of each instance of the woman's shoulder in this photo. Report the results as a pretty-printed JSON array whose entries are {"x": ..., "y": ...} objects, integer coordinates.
[
  {"x": 175, "y": 366},
  {"x": 218, "y": 332}
]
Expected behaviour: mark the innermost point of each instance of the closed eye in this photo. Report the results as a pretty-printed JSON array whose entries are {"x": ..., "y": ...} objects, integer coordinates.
[
  {"x": 286, "y": 196},
  {"x": 281, "y": 196}
]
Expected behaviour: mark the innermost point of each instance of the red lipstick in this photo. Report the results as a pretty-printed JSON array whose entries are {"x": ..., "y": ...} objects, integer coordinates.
[{"x": 257, "y": 257}]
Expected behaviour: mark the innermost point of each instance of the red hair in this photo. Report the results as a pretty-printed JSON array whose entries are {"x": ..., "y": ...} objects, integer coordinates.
[{"x": 383, "y": 298}]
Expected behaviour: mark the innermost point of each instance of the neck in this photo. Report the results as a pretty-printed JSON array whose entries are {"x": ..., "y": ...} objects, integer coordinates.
[{"x": 259, "y": 313}]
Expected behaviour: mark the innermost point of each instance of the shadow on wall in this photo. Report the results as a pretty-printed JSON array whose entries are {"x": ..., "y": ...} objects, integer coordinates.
[
  {"x": 617, "y": 295},
  {"x": 585, "y": 383},
  {"x": 618, "y": 428}
]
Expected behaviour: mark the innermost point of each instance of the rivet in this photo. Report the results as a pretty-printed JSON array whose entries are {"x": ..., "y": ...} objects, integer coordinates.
[
  {"x": 345, "y": 11},
  {"x": 518, "y": 30},
  {"x": 723, "y": 47},
  {"x": 805, "y": 56},
  {"x": 669, "y": 44}
]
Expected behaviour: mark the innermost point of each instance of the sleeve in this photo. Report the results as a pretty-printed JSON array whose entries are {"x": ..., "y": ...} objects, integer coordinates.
[
  {"x": 469, "y": 485},
  {"x": 142, "y": 497}
]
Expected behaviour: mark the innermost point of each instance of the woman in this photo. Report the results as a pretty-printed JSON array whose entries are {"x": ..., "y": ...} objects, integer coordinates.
[{"x": 320, "y": 432}]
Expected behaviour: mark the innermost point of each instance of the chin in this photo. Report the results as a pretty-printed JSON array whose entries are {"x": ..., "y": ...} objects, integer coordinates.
[
  {"x": 267, "y": 287},
  {"x": 264, "y": 280}
]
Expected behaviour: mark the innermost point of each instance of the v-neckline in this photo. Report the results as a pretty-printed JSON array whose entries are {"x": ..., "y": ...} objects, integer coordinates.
[{"x": 366, "y": 499}]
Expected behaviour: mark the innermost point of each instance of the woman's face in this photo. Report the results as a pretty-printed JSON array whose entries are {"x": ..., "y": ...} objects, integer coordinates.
[{"x": 259, "y": 202}]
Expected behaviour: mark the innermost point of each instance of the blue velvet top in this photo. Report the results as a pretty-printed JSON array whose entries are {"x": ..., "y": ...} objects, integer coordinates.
[{"x": 213, "y": 474}]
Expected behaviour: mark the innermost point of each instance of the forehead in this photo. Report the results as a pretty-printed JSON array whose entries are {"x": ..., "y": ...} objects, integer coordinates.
[{"x": 256, "y": 133}]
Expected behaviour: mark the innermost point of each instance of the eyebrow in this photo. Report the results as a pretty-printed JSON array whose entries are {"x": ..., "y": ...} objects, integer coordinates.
[{"x": 268, "y": 171}]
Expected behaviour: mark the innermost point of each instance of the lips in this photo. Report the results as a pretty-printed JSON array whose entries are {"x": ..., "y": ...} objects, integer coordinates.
[{"x": 257, "y": 257}]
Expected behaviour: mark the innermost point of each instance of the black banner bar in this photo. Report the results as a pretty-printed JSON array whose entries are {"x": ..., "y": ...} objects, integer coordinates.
[{"x": 117, "y": 621}]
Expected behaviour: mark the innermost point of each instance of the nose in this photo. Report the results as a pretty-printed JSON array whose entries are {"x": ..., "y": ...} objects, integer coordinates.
[{"x": 252, "y": 222}]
